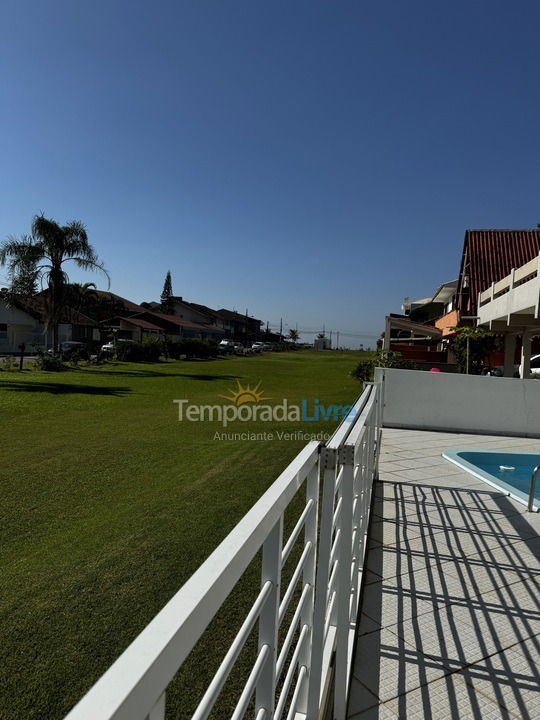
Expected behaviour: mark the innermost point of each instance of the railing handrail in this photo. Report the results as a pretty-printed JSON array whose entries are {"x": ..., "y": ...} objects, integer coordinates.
[
  {"x": 532, "y": 488},
  {"x": 513, "y": 279},
  {"x": 344, "y": 428},
  {"x": 132, "y": 684}
]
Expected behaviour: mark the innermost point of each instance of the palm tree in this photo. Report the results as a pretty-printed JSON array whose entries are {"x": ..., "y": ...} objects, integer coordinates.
[
  {"x": 47, "y": 250},
  {"x": 293, "y": 334},
  {"x": 81, "y": 296}
]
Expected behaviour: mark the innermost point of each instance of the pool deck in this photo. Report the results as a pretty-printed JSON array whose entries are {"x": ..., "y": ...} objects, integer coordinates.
[{"x": 450, "y": 613}]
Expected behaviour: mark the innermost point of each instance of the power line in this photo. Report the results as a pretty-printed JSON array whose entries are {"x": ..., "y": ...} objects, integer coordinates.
[{"x": 343, "y": 333}]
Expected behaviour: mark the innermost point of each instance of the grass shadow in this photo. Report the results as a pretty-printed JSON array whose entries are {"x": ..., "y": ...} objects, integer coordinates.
[{"x": 64, "y": 388}]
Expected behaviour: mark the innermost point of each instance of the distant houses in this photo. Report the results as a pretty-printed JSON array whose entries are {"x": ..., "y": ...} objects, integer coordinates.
[{"x": 22, "y": 320}]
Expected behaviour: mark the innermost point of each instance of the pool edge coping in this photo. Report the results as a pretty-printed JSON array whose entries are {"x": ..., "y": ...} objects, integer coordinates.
[{"x": 453, "y": 457}]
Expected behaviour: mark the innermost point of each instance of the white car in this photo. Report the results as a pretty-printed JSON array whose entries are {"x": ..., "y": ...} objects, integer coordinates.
[
  {"x": 258, "y": 346},
  {"x": 535, "y": 367},
  {"x": 108, "y": 348}
]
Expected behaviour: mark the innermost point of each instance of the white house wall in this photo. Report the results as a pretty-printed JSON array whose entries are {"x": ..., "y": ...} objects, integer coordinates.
[{"x": 21, "y": 328}]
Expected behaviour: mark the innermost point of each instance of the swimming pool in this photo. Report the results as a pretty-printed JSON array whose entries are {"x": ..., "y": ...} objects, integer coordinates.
[{"x": 508, "y": 471}]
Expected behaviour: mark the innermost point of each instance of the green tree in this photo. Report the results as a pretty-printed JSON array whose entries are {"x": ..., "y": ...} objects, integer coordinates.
[
  {"x": 471, "y": 346},
  {"x": 365, "y": 370},
  {"x": 293, "y": 335},
  {"x": 167, "y": 294},
  {"x": 23, "y": 274},
  {"x": 82, "y": 297},
  {"x": 48, "y": 250}
]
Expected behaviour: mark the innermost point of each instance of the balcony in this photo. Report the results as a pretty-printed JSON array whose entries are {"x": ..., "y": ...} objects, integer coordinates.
[
  {"x": 401, "y": 585},
  {"x": 513, "y": 301}
]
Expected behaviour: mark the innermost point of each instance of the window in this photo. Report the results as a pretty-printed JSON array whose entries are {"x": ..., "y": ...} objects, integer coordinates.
[{"x": 3, "y": 331}]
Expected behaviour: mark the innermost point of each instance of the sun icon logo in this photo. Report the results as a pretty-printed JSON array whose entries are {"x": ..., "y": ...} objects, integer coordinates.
[{"x": 247, "y": 394}]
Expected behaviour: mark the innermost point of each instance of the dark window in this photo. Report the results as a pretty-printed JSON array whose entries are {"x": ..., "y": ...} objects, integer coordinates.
[
  {"x": 3, "y": 331},
  {"x": 534, "y": 363}
]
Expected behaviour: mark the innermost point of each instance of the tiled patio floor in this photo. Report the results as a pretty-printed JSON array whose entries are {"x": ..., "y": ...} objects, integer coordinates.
[{"x": 450, "y": 623}]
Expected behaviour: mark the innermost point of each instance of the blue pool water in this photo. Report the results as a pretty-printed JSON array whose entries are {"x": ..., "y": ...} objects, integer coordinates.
[{"x": 486, "y": 465}]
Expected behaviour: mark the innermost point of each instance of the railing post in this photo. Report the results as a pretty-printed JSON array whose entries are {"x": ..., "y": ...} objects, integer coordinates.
[
  {"x": 530, "y": 505},
  {"x": 346, "y": 454},
  {"x": 328, "y": 473},
  {"x": 309, "y": 577},
  {"x": 265, "y": 694}
]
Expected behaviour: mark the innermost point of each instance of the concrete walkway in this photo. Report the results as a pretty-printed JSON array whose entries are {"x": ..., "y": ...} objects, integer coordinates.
[{"x": 450, "y": 622}]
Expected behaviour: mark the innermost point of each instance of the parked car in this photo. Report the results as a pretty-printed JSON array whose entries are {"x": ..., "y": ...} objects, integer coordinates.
[
  {"x": 258, "y": 346},
  {"x": 226, "y": 346},
  {"x": 108, "y": 348},
  {"x": 492, "y": 371},
  {"x": 535, "y": 367},
  {"x": 69, "y": 348}
]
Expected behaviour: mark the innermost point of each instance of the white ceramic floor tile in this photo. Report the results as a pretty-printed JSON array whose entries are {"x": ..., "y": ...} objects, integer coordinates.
[
  {"x": 449, "y": 698},
  {"x": 511, "y": 679},
  {"x": 387, "y": 666},
  {"x": 459, "y": 596}
]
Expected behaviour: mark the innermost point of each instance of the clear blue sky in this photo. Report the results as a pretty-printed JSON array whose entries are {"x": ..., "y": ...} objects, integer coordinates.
[{"x": 315, "y": 161}]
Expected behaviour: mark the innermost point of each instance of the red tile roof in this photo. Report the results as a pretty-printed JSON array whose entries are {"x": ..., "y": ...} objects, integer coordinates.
[
  {"x": 34, "y": 306},
  {"x": 491, "y": 255},
  {"x": 128, "y": 304},
  {"x": 175, "y": 320},
  {"x": 139, "y": 322},
  {"x": 203, "y": 308}
]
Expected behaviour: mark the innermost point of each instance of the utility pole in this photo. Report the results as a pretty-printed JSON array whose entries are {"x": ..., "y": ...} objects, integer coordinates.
[
  {"x": 337, "y": 340},
  {"x": 280, "y": 329}
]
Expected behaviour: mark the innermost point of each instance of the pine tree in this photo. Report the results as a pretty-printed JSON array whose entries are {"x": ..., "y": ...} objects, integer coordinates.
[{"x": 166, "y": 294}]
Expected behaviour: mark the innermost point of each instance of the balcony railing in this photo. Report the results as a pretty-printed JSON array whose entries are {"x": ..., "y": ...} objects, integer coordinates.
[
  {"x": 516, "y": 293},
  {"x": 287, "y": 679}
]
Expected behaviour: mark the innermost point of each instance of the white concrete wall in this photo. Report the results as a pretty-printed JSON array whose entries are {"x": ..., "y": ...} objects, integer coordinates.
[{"x": 460, "y": 403}]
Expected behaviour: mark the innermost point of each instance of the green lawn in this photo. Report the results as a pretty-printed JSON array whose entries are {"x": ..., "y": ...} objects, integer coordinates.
[{"x": 109, "y": 504}]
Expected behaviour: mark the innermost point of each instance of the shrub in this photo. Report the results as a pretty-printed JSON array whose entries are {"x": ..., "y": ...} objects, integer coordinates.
[
  {"x": 8, "y": 363},
  {"x": 191, "y": 348},
  {"x": 149, "y": 350},
  {"x": 364, "y": 371},
  {"x": 203, "y": 349},
  {"x": 472, "y": 346},
  {"x": 50, "y": 363}
]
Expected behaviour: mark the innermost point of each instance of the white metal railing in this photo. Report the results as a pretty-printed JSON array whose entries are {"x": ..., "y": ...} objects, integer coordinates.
[
  {"x": 294, "y": 678},
  {"x": 516, "y": 278}
]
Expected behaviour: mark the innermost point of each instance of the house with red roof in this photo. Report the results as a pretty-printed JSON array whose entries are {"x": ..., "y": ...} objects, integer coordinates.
[
  {"x": 22, "y": 321},
  {"x": 427, "y": 325},
  {"x": 132, "y": 321}
]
